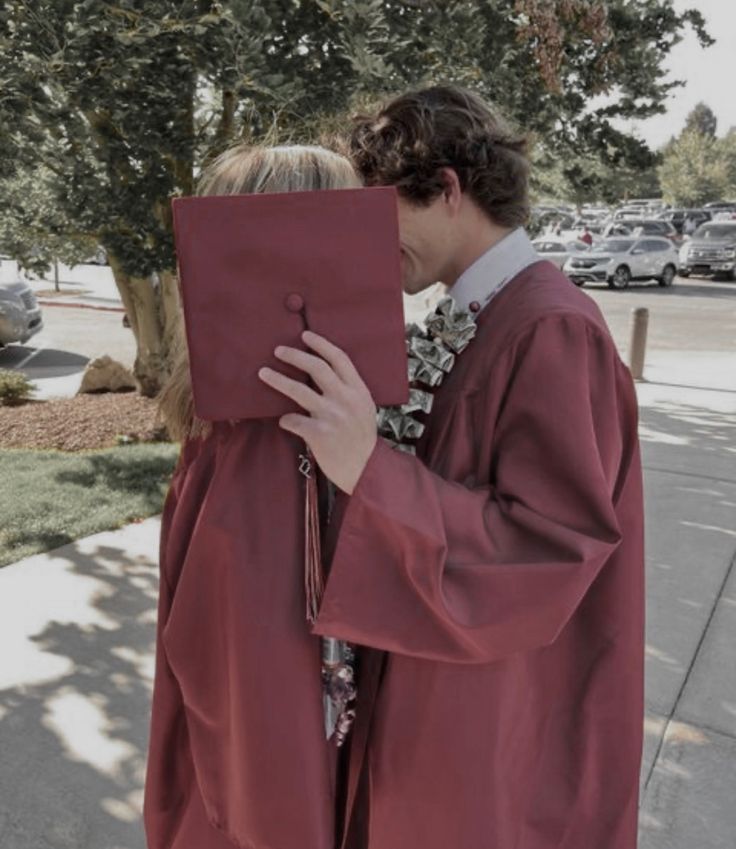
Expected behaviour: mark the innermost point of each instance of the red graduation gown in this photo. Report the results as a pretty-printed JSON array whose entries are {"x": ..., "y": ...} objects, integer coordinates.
[
  {"x": 498, "y": 577},
  {"x": 237, "y": 755}
]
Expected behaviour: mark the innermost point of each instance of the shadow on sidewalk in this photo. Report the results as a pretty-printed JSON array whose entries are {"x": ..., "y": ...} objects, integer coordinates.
[
  {"x": 688, "y": 386},
  {"x": 74, "y": 731},
  {"x": 689, "y": 439}
]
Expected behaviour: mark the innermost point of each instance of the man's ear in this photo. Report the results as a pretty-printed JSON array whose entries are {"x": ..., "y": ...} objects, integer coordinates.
[{"x": 452, "y": 192}]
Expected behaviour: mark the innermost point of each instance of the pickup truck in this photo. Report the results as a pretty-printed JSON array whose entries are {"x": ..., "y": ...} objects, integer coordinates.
[{"x": 710, "y": 251}]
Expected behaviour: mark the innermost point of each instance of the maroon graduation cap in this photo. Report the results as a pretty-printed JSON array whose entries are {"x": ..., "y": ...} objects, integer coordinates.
[{"x": 256, "y": 270}]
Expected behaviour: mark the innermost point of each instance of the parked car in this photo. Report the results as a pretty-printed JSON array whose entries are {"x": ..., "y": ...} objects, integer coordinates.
[
  {"x": 618, "y": 261},
  {"x": 558, "y": 251},
  {"x": 645, "y": 207},
  {"x": 643, "y": 227},
  {"x": 654, "y": 227},
  {"x": 711, "y": 250},
  {"x": 677, "y": 217},
  {"x": 615, "y": 228},
  {"x": 715, "y": 205},
  {"x": 595, "y": 210},
  {"x": 547, "y": 218},
  {"x": 20, "y": 314},
  {"x": 572, "y": 236},
  {"x": 594, "y": 225},
  {"x": 99, "y": 257},
  {"x": 625, "y": 212}
]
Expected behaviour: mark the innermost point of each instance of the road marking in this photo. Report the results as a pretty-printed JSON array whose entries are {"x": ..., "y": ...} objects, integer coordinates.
[{"x": 31, "y": 356}]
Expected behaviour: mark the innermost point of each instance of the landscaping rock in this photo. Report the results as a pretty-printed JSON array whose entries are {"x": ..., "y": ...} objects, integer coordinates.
[{"x": 104, "y": 374}]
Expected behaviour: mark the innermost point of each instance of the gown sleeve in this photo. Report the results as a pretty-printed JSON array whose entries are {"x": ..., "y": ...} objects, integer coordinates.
[
  {"x": 428, "y": 567},
  {"x": 168, "y": 768}
]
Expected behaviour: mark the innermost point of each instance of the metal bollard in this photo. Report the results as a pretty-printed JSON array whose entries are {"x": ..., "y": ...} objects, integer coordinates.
[{"x": 638, "y": 341}]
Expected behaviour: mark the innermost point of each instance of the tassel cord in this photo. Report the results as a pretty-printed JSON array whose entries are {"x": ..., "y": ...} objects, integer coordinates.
[{"x": 313, "y": 577}]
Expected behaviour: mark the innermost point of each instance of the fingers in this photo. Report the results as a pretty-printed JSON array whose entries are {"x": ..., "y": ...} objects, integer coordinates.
[
  {"x": 336, "y": 357},
  {"x": 319, "y": 370},
  {"x": 300, "y": 425},
  {"x": 304, "y": 395}
]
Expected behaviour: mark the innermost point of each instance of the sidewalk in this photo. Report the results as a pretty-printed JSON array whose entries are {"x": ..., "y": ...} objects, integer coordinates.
[
  {"x": 91, "y": 286},
  {"x": 78, "y": 625},
  {"x": 688, "y": 778}
]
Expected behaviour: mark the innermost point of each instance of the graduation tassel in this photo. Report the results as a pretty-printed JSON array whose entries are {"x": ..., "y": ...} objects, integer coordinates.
[
  {"x": 338, "y": 687},
  {"x": 313, "y": 578}
]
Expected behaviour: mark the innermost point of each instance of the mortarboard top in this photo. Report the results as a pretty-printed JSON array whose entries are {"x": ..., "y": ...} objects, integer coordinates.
[{"x": 253, "y": 267}]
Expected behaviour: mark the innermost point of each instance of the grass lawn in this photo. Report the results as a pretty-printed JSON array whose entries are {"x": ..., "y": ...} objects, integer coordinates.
[{"x": 50, "y": 498}]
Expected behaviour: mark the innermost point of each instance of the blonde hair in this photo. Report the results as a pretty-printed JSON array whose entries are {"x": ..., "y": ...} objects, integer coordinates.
[{"x": 246, "y": 169}]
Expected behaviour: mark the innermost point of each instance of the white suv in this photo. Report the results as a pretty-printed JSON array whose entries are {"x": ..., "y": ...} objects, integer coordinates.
[{"x": 618, "y": 261}]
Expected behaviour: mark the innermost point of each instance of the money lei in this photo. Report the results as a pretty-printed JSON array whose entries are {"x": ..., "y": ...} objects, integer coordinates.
[{"x": 431, "y": 353}]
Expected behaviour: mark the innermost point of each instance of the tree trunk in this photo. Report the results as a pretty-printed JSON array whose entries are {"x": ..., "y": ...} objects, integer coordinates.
[
  {"x": 153, "y": 311},
  {"x": 173, "y": 317}
]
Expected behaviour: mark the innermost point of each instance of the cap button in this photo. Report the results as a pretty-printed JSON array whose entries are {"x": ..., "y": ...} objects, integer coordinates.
[
  {"x": 294, "y": 302},
  {"x": 474, "y": 306}
]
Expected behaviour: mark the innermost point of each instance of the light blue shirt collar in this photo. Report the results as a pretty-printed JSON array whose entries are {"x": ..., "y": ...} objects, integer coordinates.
[{"x": 485, "y": 277}]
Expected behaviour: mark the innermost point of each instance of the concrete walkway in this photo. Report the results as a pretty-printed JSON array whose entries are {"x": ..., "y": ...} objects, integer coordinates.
[
  {"x": 77, "y": 627},
  {"x": 688, "y": 777},
  {"x": 81, "y": 286}
]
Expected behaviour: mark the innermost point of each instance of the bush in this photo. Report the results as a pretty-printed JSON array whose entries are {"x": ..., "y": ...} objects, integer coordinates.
[{"x": 15, "y": 387}]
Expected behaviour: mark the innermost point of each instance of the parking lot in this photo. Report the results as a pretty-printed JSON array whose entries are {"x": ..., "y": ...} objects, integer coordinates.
[
  {"x": 56, "y": 357},
  {"x": 694, "y": 317}
]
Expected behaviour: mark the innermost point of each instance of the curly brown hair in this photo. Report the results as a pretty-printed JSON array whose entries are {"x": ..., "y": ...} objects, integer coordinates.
[{"x": 415, "y": 135}]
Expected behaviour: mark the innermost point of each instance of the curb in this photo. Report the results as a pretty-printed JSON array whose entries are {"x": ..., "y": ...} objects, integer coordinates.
[{"x": 80, "y": 306}]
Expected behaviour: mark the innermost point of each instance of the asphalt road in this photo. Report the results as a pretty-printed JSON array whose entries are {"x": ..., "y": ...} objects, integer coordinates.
[
  {"x": 56, "y": 357},
  {"x": 692, "y": 316}
]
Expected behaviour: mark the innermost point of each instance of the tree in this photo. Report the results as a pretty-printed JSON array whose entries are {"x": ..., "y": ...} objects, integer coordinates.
[
  {"x": 696, "y": 166},
  {"x": 702, "y": 120},
  {"x": 32, "y": 227},
  {"x": 585, "y": 179},
  {"x": 123, "y": 103},
  {"x": 727, "y": 146},
  {"x": 696, "y": 169},
  {"x": 115, "y": 101}
]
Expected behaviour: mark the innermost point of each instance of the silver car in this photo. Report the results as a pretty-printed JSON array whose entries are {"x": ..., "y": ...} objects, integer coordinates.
[
  {"x": 618, "y": 261},
  {"x": 20, "y": 315},
  {"x": 558, "y": 251}
]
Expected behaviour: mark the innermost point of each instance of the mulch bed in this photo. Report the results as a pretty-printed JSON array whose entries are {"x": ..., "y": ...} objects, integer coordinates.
[
  {"x": 63, "y": 293},
  {"x": 94, "y": 420}
]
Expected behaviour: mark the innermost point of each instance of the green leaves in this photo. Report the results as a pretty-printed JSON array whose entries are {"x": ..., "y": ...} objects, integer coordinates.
[
  {"x": 702, "y": 120},
  {"x": 698, "y": 168},
  {"x": 118, "y": 104}
]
